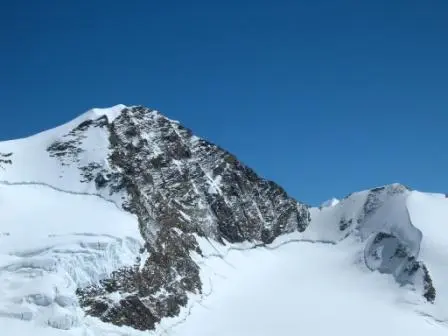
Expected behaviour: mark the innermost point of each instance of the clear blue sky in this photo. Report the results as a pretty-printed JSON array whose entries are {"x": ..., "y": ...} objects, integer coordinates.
[{"x": 324, "y": 97}]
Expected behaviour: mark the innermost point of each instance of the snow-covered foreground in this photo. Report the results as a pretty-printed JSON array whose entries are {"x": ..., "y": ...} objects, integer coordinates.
[
  {"x": 302, "y": 288},
  {"x": 52, "y": 242}
]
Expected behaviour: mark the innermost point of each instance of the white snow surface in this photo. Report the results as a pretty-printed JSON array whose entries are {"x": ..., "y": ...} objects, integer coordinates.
[
  {"x": 32, "y": 163},
  {"x": 429, "y": 213},
  {"x": 298, "y": 287},
  {"x": 51, "y": 243}
]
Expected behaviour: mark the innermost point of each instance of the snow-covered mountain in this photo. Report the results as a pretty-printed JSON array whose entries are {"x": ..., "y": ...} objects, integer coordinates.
[{"x": 122, "y": 222}]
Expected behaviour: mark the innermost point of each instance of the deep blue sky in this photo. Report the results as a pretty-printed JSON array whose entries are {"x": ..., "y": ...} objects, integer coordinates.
[{"x": 324, "y": 97}]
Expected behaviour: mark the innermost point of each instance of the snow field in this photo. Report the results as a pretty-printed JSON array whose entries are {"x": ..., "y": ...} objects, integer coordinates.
[{"x": 52, "y": 243}]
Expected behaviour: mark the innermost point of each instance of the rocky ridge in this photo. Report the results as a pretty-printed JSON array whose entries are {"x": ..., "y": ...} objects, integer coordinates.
[{"x": 179, "y": 186}]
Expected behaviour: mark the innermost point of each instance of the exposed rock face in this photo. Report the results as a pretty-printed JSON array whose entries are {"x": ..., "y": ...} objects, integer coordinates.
[
  {"x": 178, "y": 185},
  {"x": 5, "y": 159},
  {"x": 387, "y": 254}
]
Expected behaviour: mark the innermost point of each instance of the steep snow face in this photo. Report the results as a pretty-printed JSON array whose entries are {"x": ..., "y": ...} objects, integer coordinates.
[
  {"x": 60, "y": 157},
  {"x": 380, "y": 219},
  {"x": 52, "y": 243},
  {"x": 429, "y": 213}
]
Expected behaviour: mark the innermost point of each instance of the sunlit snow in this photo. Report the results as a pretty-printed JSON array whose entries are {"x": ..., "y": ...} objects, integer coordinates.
[
  {"x": 300, "y": 288},
  {"x": 51, "y": 243}
]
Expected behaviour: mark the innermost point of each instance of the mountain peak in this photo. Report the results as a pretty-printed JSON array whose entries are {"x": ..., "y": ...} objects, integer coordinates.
[
  {"x": 397, "y": 187},
  {"x": 110, "y": 112},
  {"x": 178, "y": 186}
]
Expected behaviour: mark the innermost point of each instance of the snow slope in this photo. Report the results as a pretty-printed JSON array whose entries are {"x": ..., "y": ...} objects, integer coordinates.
[
  {"x": 300, "y": 288},
  {"x": 429, "y": 213},
  {"x": 416, "y": 221},
  {"x": 51, "y": 243},
  {"x": 32, "y": 163}
]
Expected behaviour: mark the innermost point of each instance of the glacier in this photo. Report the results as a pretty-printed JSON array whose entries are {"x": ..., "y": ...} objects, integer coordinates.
[{"x": 53, "y": 242}]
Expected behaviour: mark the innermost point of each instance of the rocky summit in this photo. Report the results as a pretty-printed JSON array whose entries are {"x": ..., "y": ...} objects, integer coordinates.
[{"x": 178, "y": 186}]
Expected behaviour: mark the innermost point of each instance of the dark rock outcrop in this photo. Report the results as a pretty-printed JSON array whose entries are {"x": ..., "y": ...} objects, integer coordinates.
[
  {"x": 396, "y": 250},
  {"x": 178, "y": 186},
  {"x": 388, "y": 254},
  {"x": 5, "y": 159}
]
